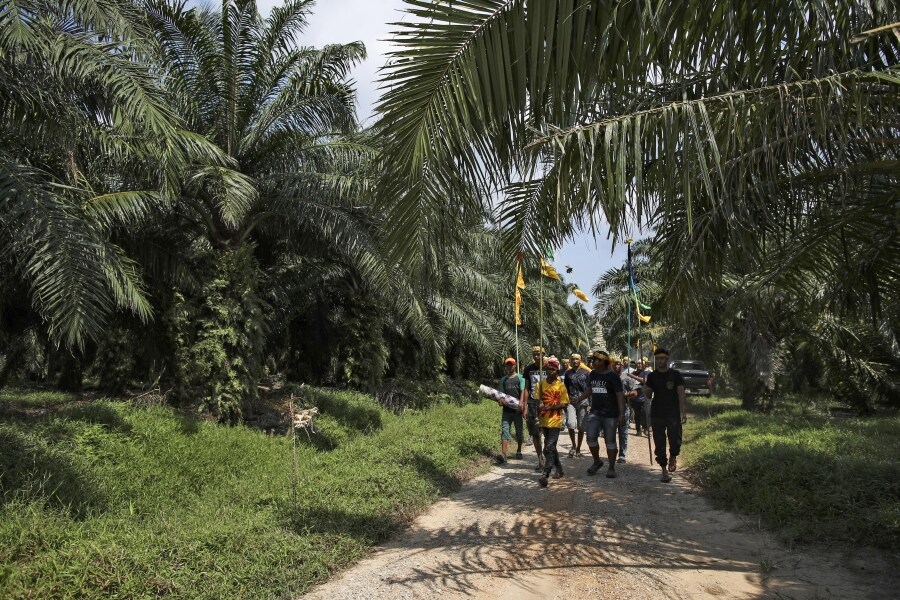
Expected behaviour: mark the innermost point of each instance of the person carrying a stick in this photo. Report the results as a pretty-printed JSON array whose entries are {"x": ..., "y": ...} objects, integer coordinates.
[
  {"x": 665, "y": 389},
  {"x": 639, "y": 375}
]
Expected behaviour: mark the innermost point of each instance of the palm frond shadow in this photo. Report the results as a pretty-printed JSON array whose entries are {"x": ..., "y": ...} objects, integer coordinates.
[
  {"x": 554, "y": 540},
  {"x": 602, "y": 537},
  {"x": 32, "y": 470}
]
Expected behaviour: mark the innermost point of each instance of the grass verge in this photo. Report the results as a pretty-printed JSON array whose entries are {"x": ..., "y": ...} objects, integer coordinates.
[
  {"x": 810, "y": 477},
  {"x": 105, "y": 499}
]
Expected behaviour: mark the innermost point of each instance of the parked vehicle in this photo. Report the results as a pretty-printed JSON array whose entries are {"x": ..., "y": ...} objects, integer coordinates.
[{"x": 697, "y": 380}]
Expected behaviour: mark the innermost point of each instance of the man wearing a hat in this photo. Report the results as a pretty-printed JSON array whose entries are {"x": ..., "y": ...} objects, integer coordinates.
[
  {"x": 665, "y": 389},
  {"x": 576, "y": 380},
  {"x": 533, "y": 373},
  {"x": 511, "y": 384},
  {"x": 553, "y": 401},
  {"x": 607, "y": 412}
]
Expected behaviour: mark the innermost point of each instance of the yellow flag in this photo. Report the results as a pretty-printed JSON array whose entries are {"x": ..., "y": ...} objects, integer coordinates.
[
  {"x": 547, "y": 270},
  {"x": 520, "y": 281},
  {"x": 518, "y": 307},
  {"x": 581, "y": 295},
  {"x": 643, "y": 318}
]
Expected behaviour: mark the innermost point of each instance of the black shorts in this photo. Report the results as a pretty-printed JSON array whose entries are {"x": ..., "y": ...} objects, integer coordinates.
[{"x": 533, "y": 421}]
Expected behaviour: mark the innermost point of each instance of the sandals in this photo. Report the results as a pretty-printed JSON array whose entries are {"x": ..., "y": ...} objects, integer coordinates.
[
  {"x": 665, "y": 478},
  {"x": 558, "y": 475},
  {"x": 592, "y": 470},
  {"x": 672, "y": 465},
  {"x": 571, "y": 452}
]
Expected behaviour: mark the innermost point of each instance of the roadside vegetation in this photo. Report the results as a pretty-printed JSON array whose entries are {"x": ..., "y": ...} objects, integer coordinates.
[
  {"x": 810, "y": 476},
  {"x": 109, "y": 499}
]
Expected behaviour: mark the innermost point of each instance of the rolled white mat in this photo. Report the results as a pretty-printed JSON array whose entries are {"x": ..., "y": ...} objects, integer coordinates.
[{"x": 493, "y": 394}]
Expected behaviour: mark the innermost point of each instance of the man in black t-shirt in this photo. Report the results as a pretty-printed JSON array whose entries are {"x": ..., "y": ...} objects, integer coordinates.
[
  {"x": 533, "y": 373},
  {"x": 576, "y": 380},
  {"x": 665, "y": 391},
  {"x": 607, "y": 411}
]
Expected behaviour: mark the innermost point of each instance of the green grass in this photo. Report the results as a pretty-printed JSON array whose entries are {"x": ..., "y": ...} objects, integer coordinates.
[
  {"x": 105, "y": 499},
  {"x": 810, "y": 477}
]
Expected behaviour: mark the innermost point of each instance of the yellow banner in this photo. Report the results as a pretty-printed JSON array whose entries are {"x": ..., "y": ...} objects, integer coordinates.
[
  {"x": 581, "y": 295},
  {"x": 547, "y": 270},
  {"x": 518, "y": 307}
]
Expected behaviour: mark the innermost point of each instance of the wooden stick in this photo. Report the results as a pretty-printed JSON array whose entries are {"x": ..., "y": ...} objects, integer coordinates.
[{"x": 293, "y": 458}]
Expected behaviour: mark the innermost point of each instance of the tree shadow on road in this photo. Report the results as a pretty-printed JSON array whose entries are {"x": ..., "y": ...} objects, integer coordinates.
[{"x": 590, "y": 526}]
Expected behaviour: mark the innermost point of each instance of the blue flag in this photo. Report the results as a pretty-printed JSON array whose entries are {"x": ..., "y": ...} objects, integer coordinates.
[{"x": 632, "y": 279}]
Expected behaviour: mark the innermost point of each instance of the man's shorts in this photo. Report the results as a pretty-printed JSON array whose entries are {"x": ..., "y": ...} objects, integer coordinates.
[
  {"x": 507, "y": 422},
  {"x": 533, "y": 420},
  {"x": 593, "y": 425},
  {"x": 570, "y": 418},
  {"x": 583, "y": 412}
]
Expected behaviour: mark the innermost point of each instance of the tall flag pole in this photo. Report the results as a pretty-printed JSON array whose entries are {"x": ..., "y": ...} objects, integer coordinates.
[
  {"x": 631, "y": 290},
  {"x": 638, "y": 305},
  {"x": 520, "y": 285},
  {"x": 547, "y": 270}
]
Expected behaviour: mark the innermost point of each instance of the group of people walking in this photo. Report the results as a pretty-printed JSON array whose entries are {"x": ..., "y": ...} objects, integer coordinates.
[{"x": 590, "y": 403}]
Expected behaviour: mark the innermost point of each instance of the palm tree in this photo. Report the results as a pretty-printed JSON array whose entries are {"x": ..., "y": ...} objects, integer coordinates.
[
  {"x": 733, "y": 135},
  {"x": 85, "y": 136},
  {"x": 295, "y": 188}
]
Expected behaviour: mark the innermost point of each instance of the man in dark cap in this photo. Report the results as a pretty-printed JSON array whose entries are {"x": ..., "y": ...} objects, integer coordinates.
[{"x": 665, "y": 391}]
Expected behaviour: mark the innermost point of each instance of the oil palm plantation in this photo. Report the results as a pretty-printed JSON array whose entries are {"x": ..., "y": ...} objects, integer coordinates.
[
  {"x": 84, "y": 131},
  {"x": 295, "y": 189},
  {"x": 757, "y": 143}
]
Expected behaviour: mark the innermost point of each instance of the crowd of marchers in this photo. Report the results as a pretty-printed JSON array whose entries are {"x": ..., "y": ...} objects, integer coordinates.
[{"x": 602, "y": 400}]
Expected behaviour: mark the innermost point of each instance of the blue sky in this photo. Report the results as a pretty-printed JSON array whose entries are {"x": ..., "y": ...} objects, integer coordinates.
[{"x": 341, "y": 21}]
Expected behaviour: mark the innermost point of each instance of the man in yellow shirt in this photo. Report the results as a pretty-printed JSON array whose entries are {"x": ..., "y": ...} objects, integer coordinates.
[{"x": 553, "y": 399}]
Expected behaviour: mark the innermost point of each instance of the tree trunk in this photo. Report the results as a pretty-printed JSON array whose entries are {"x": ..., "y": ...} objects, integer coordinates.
[
  {"x": 15, "y": 355},
  {"x": 72, "y": 374},
  {"x": 219, "y": 337}
]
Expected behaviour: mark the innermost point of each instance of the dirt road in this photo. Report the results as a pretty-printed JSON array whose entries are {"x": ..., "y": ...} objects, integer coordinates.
[{"x": 502, "y": 537}]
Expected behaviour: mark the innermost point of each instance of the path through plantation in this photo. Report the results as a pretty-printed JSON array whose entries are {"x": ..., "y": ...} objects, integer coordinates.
[{"x": 502, "y": 537}]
